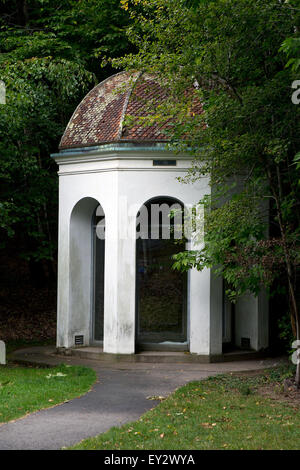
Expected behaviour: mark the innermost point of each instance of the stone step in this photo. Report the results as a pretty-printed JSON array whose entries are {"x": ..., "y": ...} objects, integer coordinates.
[{"x": 96, "y": 353}]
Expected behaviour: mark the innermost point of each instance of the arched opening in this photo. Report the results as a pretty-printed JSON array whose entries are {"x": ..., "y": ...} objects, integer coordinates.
[
  {"x": 161, "y": 292},
  {"x": 98, "y": 274},
  {"x": 86, "y": 272}
]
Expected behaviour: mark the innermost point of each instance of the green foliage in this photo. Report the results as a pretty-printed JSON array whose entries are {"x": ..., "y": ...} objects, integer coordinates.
[
  {"x": 24, "y": 390},
  {"x": 31, "y": 123},
  {"x": 291, "y": 46},
  {"x": 285, "y": 331},
  {"x": 50, "y": 56},
  {"x": 249, "y": 130},
  {"x": 235, "y": 245},
  {"x": 80, "y": 31}
]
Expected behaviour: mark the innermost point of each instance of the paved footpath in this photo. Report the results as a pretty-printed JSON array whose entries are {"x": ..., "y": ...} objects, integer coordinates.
[{"x": 119, "y": 396}]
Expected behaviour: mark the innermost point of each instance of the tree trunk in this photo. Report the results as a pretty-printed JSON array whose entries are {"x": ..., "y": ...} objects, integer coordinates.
[{"x": 22, "y": 12}]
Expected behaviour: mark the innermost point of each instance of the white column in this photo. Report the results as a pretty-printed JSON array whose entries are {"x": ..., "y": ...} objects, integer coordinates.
[
  {"x": 63, "y": 298},
  {"x": 205, "y": 291},
  {"x": 205, "y": 313},
  {"x": 120, "y": 266},
  {"x": 252, "y": 320},
  {"x": 199, "y": 291}
]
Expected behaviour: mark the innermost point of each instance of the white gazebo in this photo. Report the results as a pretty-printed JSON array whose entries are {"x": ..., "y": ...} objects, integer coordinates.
[{"x": 116, "y": 287}]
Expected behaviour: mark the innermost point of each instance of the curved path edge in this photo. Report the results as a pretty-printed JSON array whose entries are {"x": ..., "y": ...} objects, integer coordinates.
[{"x": 119, "y": 396}]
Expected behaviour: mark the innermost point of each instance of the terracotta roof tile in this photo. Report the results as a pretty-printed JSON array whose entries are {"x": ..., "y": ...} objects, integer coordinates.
[{"x": 100, "y": 116}]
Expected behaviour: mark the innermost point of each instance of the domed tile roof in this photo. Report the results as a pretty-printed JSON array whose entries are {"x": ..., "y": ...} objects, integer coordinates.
[{"x": 99, "y": 118}]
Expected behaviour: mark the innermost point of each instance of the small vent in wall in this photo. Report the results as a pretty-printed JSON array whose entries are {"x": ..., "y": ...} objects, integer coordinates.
[
  {"x": 245, "y": 343},
  {"x": 164, "y": 162},
  {"x": 79, "y": 340}
]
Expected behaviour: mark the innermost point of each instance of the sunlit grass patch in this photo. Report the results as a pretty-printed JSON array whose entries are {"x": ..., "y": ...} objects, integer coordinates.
[
  {"x": 24, "y": 390},
  {"x": 224, "y": 412}
]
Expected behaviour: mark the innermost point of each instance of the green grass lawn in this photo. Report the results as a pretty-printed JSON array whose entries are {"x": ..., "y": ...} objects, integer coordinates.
[
  {"x": 224, "y": 412},
  {"x": 24, "y": 390}
]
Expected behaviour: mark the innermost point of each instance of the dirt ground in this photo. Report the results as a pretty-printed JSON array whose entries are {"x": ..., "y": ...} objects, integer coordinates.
[{"x": 26, "y": 312}]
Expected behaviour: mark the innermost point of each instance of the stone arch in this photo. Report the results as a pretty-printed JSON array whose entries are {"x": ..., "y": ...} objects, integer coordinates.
[
  {"x": 81, "y": 269},
  {"x": 161, "y": 294},
  {"x": 170, "y": 201}
]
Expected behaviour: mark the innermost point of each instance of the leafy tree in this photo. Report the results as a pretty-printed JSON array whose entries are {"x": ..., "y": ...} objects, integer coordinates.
[
  {"x": 30, "y": 125},
  {"x": 50, "y": 56},
  {"x": 248, "y": 135}
]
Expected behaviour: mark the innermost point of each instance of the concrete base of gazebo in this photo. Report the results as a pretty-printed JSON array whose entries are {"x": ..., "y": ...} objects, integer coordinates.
[{"x": 164, "y": 357}]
